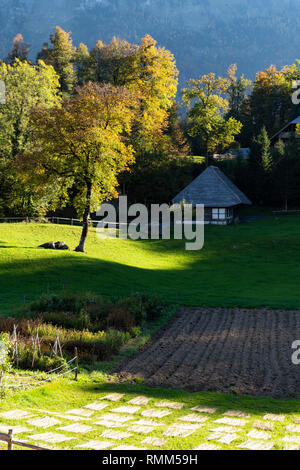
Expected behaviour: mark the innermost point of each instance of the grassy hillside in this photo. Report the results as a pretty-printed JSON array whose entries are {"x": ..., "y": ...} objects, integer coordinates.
[{"x": 252, "y": 264}]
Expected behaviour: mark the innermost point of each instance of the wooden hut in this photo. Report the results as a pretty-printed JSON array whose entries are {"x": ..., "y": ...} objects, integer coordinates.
[{"x": 220, "y": 197}]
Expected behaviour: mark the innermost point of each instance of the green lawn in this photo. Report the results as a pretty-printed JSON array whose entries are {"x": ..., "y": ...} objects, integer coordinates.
[
  {"x": 65, "y": 395},
  {"x": 251, "y": 264}
]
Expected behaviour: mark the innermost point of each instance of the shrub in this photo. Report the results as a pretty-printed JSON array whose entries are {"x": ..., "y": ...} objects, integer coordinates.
[
  {"x": 143, "y": 306},
  {"x": 98, "y": 349},
  {"x": 42, "y": 362},
  {"x": 121, "y": 319},
  {"x": 66, "y": 302},
  {"x": 5, "y": 346}
]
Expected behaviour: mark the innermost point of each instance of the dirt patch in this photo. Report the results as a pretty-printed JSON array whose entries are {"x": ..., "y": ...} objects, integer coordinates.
[{"x": 223, "y": 350}]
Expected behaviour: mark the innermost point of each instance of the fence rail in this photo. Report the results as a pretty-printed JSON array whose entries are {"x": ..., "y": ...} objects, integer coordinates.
[
  {"x": 11, "y": 442},
  {"x": 288, "y": 212},
  {"x": 38, "y": 379},
  {"x": 53, "y": 220}
]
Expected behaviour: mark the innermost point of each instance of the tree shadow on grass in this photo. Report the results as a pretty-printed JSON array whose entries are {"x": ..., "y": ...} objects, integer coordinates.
[{"x": 223, "y": 402}]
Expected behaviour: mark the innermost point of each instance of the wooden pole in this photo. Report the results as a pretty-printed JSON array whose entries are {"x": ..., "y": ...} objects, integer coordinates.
[
  {"x": 10, "y": 440},
  {"x": 76, "y": 363}
]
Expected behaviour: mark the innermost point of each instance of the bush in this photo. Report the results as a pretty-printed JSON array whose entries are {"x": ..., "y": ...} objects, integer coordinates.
[
  {"x": 143, "y": 306},
  {"x": 66, "y": 302},
  {"x": 99, "y": 349},
  {"x": 42, "y": 362},
  {"x": 121, "y": 319}
]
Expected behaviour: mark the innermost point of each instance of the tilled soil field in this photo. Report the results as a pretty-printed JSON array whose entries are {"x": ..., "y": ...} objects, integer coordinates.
[{"x": 223, "y": 350}]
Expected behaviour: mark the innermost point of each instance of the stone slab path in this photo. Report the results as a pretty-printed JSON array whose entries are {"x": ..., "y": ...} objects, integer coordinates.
[{"x": 120, "y": 421}]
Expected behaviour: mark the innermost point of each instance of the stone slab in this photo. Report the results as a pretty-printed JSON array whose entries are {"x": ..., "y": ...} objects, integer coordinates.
[
  {"x": 236, "y": 414},
  {"x": 225, "y": 429},
  {"x": 45, "y": 422},
  {"x": 74, "y": 418},
  {"x": 4, "y": 428},
  {"x": 147, "y": 422},
  {"x": 141, "y": 429},
  {"x": 155, "y": 413},
  {"x": 141, "y": 401},
  {"x": 181, "y": 430},
  {"x": 119, "y": 435},
  {"x": 293, "y": 428},
  {"x": 154, "y": 442},
  {"x": 109, "y": 424},
  {"x": 294, "y": 439},
  {"x": 96, "y": 406},
  {"x": 169, "y": 404},
  {"x": 291, "y": 447},
  {"x": 96, "y": 445},
  {"x": 204, "y": 409},
  {"x": 126, "y": 409},
  {"x": 263, "y": 425},
  {"x": 214, "y": 436},
  {"x": 51, "y": 437},
  {"x": 231, "y": 421},
  {"x": 272, "y": 417},
  {"x": 15, "y": 414},
  {"x": 124, "y": 447},
  {"x": 228, "y": 438},
  {"x": 113, "y": 397},
  {"x": 193, "y": 418},
  {"x": 76, "y": 428},
  {"x": 206, "y": 446},
  {"x": 265, "y": 436},
  {"x": 81, "y": 412},
  {"x": 116, "y": 418},
  {"x": 256, "y": 445}
]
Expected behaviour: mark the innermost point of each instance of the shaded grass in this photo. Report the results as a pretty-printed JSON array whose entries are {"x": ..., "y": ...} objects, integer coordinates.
[{"x": 251, "y": 265}]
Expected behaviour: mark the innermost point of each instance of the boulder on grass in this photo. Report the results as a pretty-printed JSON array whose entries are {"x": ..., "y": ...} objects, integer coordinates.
[
  {"x": 48, "y": 246},
  {"x": 54, "y": 246},
  {"x": 61, "y": 246}
]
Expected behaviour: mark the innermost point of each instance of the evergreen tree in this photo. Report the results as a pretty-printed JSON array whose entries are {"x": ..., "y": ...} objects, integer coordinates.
[
  {"x": 85, "y": 65},
  {"x": 61, "y": 56},
  {"x": 236, "y": 92}
]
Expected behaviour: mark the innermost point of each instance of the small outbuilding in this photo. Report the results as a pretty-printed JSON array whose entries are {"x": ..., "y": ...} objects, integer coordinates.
[
  {"x": 288, "y": 131},
  {"x": 220, "y": 197}
]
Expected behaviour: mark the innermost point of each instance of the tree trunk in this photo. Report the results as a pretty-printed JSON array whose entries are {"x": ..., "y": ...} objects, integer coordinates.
[{"x": 86, "y": 215}]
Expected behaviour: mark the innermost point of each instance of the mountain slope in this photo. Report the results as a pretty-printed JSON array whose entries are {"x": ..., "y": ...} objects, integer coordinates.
[{"x": 204, "y": 35}]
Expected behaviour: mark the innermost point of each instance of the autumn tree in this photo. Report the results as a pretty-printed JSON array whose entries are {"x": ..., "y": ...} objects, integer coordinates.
[
  {"x": 20, "y": 50},
  {"x": 27, "y": 86},
  {"x": 207, "y": 107},
  {"x": 147, "y": 71},
  {"x": 83, "y": 141},
  {"x": 270, "y": 101},
  {"x": 61, "y": 55}
]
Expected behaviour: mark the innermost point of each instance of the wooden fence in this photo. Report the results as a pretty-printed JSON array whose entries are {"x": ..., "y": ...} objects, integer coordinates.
[{"x": 11, "y": 442}]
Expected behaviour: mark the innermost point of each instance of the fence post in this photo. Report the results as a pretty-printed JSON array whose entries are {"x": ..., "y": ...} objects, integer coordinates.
[
  {"x": 10, "y": 440},
  {"x": 76, "y": 363}
]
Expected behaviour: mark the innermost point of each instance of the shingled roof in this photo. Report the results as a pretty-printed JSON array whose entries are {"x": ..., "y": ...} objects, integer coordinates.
[{"x": 213, "y": 189}]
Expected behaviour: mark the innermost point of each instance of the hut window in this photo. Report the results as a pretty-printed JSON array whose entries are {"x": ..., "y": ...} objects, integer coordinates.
[{"x": 218, "y": 214}]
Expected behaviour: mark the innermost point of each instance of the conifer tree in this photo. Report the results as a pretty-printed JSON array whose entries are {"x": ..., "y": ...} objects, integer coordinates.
[{"x": 61, "y": 56}]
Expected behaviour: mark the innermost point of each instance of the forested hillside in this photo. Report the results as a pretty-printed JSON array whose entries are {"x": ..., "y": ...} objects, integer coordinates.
[{"x": 204, "y": 35}]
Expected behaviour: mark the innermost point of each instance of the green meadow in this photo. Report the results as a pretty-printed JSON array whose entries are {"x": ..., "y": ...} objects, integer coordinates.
[{"x": 249, "y": 265}]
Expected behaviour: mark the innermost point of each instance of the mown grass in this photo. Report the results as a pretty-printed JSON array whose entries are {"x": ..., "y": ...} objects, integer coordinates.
[
  {"x": 65, "y": 395},
  {"x": 252, "y": 264}
]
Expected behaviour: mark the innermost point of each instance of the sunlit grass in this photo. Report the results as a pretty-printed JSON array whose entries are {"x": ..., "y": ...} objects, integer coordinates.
[{"x": 251, "y": 264}]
